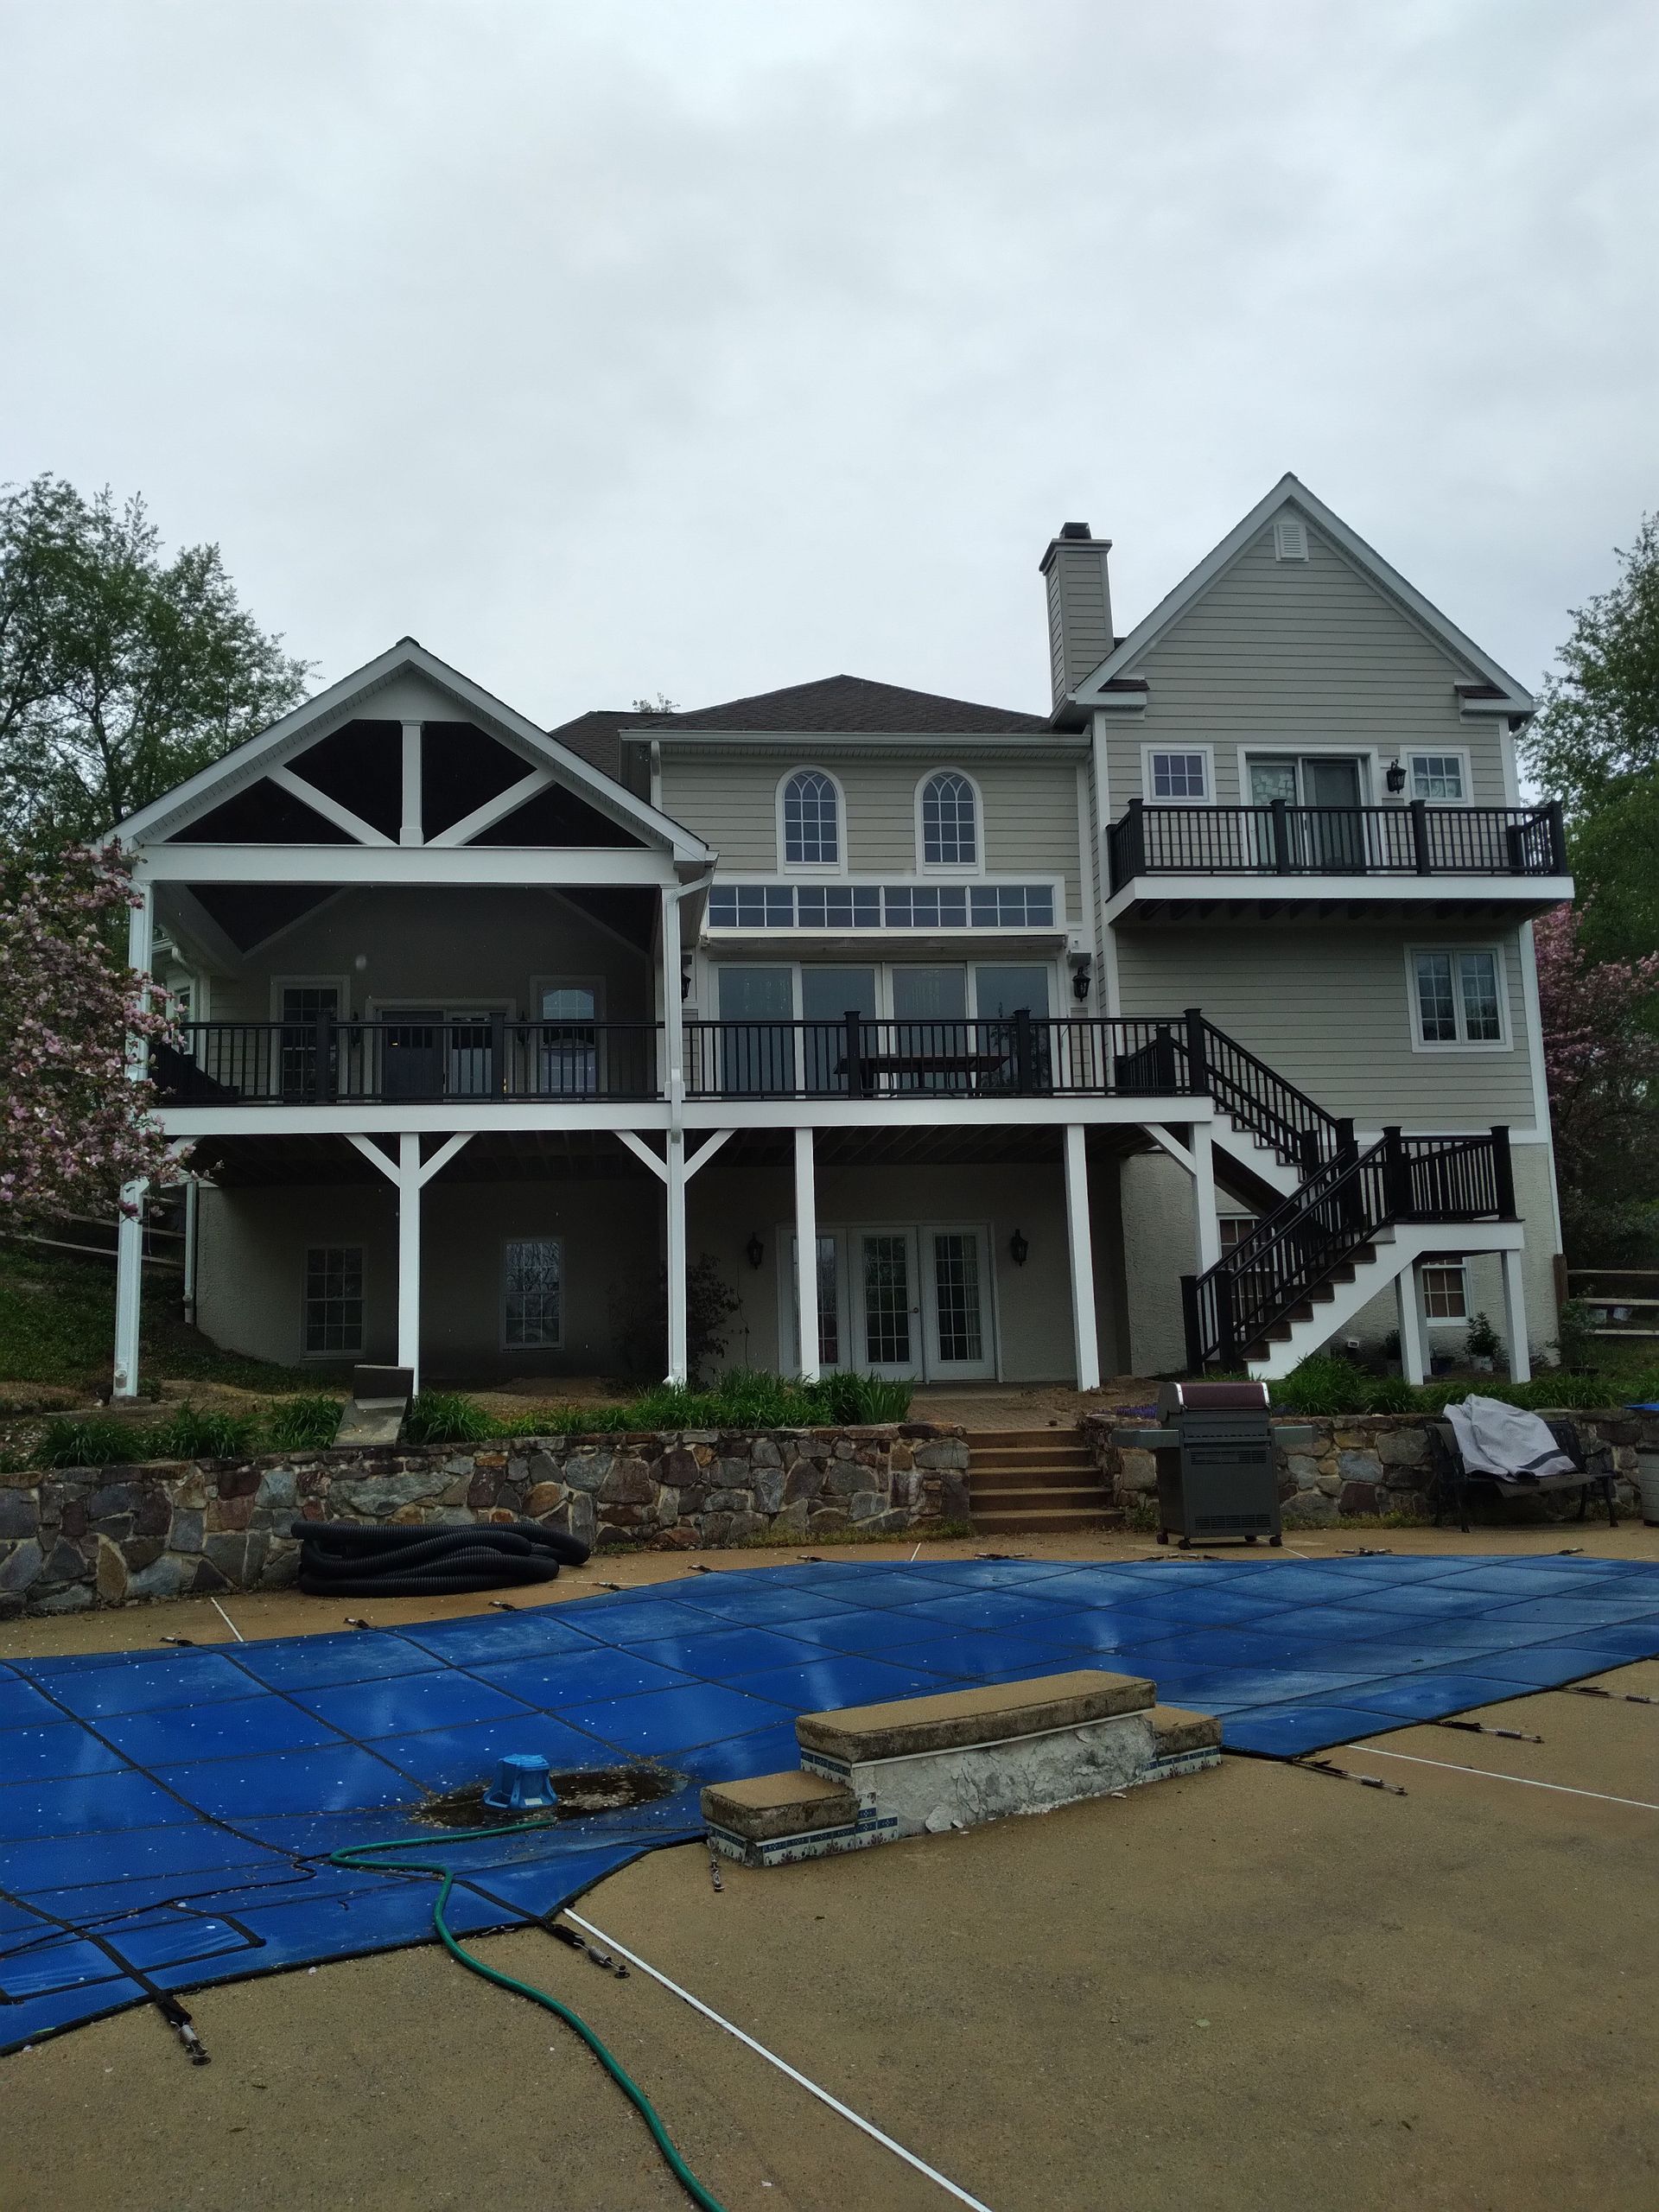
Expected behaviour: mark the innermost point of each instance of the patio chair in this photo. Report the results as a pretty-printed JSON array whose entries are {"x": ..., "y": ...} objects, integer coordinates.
[{"x": 1592, "y": 1469}]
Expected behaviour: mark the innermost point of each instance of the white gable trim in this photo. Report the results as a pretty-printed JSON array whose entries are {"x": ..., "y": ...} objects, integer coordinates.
[
  {"x": 343, "y": 701},
  {"x": 1289, "y": 492}
]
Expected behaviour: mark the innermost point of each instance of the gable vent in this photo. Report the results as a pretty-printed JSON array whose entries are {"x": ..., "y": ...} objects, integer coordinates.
[{"x": 1289, "y": 540}]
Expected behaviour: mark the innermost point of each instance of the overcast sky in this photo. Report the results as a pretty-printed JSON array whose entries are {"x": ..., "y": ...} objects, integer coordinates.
[{"x": 699, "y": 346}]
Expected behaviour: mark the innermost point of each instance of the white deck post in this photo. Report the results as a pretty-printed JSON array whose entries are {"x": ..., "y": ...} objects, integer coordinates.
[
  {"x": 1413, "y": 1364},
  {"x": 129, "y": 1230},
  {"x": 675, "y": 1181},
  {"x": 1515, "y": 1319},
  {"x": 128, "y": 1290},
  {"x": 408, "y": 1256},
  {"x": 1204, "y": 1197},
  {"x": 806, "y": 1252},
  {"x": 1081, "y": 1246},
  {"x": 673, "y": 1008}
]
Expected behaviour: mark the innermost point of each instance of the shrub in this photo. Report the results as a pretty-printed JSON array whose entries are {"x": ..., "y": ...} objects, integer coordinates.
[
  {"x": 304, "y": 1424},
  {"x": 99, "y": 1442},
  {"x": 191, "y": 1434},
  {"x": 1482, "y": 1341},
  {"x": 447, "y": 1417}
]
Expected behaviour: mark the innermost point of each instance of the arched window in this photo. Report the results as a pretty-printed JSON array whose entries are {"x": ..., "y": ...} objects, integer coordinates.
[
  {"x": 949, "y": 821},
  {"x": 811, "y": 821}
]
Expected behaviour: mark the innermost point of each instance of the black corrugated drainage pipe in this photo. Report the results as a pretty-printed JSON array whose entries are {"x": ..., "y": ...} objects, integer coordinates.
[{"x": 353, "y": 1558}]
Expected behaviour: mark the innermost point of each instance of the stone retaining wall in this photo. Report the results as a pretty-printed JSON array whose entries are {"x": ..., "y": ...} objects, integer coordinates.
[
  {"x": 78, "y": 1536},
  {"x": 1366, "y": 1463}
]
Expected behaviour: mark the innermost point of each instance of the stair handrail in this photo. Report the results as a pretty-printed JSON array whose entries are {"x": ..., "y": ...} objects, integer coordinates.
[
  {"x": 1262, "y": 1100},
  {"x": 1334, "y": 1213}
]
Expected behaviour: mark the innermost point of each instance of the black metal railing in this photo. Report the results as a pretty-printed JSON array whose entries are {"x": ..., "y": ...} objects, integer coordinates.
[
  {"x": 1410, "y": 839},
  {"x": 325, "y": 1061},
  {"x": 1229, "y": 1309},
  {"x": 1018, "y": 1055}
]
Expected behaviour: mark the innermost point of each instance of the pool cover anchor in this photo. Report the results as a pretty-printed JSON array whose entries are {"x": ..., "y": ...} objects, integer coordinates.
[
  {"x": 1485, "y": 1728},
  {"x": 1625, "y": 1697},
  {"x": 182, "y": 2026},
  {"x": 1346, "y": 1774}
]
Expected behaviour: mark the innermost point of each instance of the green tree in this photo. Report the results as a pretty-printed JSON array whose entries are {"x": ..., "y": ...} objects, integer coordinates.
[
  {"x": 121, "y": 672},
  {"x": 1597, "y": 735}
]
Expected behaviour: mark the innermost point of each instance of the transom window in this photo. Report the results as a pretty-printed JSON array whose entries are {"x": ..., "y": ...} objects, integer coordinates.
[
  {"x": 1445, "y": 1290},
  {"x": 533, "y": 1294},
  {"x": 1457, "y": 997},
  {"x": 1178, "y": 775},
  {"x": 333, "y": 1298},
  {"x": 811, "y": 821},
  {"x": 949, "y": 821},
  {"x": 1437, "y": 776}
]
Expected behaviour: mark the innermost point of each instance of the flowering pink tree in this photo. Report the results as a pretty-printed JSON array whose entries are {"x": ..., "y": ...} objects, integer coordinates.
[
  {"x": 1601, "y": 1059},
  {"x": 74, "y": 1126}
]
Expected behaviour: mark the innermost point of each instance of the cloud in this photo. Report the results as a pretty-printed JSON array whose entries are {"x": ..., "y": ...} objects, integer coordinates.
[{"x": 704, "y": 348}]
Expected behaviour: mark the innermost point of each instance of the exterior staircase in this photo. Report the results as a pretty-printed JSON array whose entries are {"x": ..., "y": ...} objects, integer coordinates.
[{"x": 1034, "y": 1481}]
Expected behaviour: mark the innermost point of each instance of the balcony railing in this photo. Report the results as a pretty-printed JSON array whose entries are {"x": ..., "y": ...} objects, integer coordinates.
[
  {"x": 1283, "y": 840},
  {"x": 318, "y": 1063},
  {"x": 1017, "y": 1056}
]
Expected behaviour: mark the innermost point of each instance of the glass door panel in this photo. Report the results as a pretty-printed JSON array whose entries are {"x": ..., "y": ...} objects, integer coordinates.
[
  {"x": 958, "y": 1302},
  {"x": 568, "y": 1042},
  {"x": 890, "y": 1314},
  {"x": 831, "y": 1301},
  {"x": 1016, "y": 1062},
  {"x": 467, "y": 1036},
  {"x": 930, "y": 1010},
  {"x": 303, "y": 1006},
  {"x": 1336, "y": 832},
  {"x": 828, "y": 997},
  {"x": 757, "y": 1039}
]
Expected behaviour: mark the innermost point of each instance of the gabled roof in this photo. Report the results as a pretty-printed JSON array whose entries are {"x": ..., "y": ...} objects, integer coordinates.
[
  {"x": 836, "y": 703},
  {"x": 352, "y": 697},
  {"x": 1492, "y": 683}
]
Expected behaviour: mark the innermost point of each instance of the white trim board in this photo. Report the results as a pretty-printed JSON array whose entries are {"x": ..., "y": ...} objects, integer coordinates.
[
  {"x": 1538, "y": 893},
  {"x": 521, "y": 866}
]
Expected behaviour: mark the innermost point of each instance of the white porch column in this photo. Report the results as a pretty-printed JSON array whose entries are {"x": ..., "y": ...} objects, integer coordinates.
[
  {"x": 128, "y": 1290},
  {"x": 1515, "y": 1319},
  {"x": 806, "y": 1252},
  {"x": 411, "y": 828},
  {"x": 673, "y": 1007},
  {"x": 1081, "y": 1246},
  {"x": 129, "y": 1230},
  {"x": 408, "y": 1256},
  {"x": 1414, "y": 1362},
  {"x": 674, "y": 1183},
  {"x": 1204, "y": 1197}
]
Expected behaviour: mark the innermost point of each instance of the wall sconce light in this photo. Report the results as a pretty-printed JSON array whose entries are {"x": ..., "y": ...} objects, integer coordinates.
[
  {"x": 1397, "y": 777},
  {"x": 1019, "y": 1250},
  {"x": 1080, "y": 981},
  {"x": 754, "y": 1251}
]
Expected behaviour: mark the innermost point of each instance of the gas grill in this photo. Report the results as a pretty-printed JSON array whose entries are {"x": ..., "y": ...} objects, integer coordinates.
[{"x": 1215, "y": 1457}]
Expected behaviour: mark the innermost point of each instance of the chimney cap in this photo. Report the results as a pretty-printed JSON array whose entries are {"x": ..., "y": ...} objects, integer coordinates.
[
  {"x": 1076, "y": 530},
  {"x": 1071, "y": 534}
]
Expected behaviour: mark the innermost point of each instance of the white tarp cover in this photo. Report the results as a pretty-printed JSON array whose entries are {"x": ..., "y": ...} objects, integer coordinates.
[{"x": 1506, "y": 1441}]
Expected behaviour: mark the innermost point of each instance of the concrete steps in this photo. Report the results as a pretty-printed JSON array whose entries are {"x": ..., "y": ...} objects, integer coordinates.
[{"x": 1024, "y": 1482}]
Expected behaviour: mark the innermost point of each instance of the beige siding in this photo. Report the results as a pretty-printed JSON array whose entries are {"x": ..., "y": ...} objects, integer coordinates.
[
  {"x": 446, "y": 947},
  {"x": 1299, "y": 654},
  {"x": 1327, "y": 1006},
  {"x": 1030, "y": 811}
]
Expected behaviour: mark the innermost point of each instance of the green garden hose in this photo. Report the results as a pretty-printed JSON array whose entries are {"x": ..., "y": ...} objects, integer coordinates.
[{"x": 360, "y": 1854}]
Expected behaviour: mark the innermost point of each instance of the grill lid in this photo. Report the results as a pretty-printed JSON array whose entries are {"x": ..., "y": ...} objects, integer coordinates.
[{"x": 1180, "y": 1398}]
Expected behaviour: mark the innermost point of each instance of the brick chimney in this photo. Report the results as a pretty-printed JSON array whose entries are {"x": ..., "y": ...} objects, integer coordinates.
[{"x": 1079, "y": 606}]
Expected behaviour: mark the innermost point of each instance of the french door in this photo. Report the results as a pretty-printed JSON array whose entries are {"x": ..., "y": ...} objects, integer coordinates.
[{"x": 911, "y": 1303}]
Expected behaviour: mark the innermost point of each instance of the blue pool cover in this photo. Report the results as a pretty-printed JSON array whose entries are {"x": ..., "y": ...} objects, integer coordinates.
[{"x": 172, "y": 1811}]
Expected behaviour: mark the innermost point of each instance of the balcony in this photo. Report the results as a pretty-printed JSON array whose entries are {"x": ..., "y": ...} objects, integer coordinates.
[
  {"x": 541, "y": 1064},
  {"x": 1171, "y": 862}
]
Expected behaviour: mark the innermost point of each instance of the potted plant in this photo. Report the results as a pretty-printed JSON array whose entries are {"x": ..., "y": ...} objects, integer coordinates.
[{"x": 1483, "y": 1343}]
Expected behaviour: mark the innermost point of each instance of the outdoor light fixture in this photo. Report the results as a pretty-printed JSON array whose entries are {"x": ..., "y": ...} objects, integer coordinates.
[
  {"x": 1080, "y": 981},
  {"x": 754, "y": 1251},
  {"x": 1397, "y": 777},
  {"x": 1019, "y": 1249}
]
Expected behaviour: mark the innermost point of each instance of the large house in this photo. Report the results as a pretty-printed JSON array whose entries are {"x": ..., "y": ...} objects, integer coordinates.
[{"x": 1194, "y": 1021}]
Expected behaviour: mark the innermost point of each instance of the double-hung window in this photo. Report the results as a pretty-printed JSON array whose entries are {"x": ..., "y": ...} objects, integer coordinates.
[
  {"x": 1438, "y": 776},
  {"x": 1445, "y": 1290},
  {"x": 333, "y": 1299},
  {"x": 1457, "y": 996},
  {"x": 532, "y": 1294},
  {"x": 811, "y": 820},
  {"x": 1179, "y": 775}
]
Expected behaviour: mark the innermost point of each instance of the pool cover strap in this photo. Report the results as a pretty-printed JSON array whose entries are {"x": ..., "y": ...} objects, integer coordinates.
[{"x": 343, "y": 1558}]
